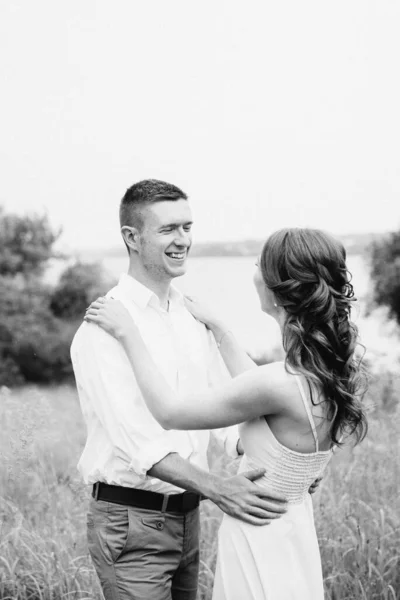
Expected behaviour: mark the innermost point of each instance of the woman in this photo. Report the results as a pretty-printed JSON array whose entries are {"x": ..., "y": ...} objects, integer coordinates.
[{"x": 292, "y": 414}]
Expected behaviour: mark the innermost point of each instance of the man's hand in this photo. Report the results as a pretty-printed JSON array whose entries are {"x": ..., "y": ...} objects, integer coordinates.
[
  {"x": 239, "y": 497},
  {"x": 314, "y": 486}
]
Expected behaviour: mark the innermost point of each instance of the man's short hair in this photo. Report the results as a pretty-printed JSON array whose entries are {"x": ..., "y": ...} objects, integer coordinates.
[{"x": 143, "y": 193}]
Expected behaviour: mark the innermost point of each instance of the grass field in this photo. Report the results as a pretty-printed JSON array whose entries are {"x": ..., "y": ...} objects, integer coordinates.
[{"x": 43, "y": 551}]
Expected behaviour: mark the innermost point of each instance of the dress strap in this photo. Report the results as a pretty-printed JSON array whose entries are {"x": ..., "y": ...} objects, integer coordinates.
[{"x": 308, "y": 410}]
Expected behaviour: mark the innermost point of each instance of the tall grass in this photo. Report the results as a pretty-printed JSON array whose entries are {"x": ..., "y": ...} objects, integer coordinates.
[{"x": 43, "y": 552}]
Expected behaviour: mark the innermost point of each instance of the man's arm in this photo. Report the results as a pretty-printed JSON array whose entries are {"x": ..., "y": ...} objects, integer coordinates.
[{"x": 237, "y": 496}]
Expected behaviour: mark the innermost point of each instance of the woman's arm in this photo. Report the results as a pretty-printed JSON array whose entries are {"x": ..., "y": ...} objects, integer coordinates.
[
  {"x": 235, "y": 357},
  {"x": 247, "y": 396},
  {"x": 251, "y": 394}
]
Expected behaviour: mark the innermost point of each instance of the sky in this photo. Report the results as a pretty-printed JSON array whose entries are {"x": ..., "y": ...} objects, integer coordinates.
[{"x": 267, "y": 114}]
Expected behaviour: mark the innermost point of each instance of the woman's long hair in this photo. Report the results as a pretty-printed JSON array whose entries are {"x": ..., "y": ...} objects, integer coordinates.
[{"x": 306, "y": 270}]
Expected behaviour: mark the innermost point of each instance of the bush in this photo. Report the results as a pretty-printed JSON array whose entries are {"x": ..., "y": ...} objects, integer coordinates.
[
  {"x": 38, "y": 323},
  {"x": 385, "y": 274},
  {"x": 43, "y": 355},
  {"x": 79, "y": 285},
  {"x": 34, "y": 344}
]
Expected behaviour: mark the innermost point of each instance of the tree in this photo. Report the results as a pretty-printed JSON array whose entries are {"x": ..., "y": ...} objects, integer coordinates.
[
  {"x": 385, "y": 273},
  {"x": 26, "y": 244}
]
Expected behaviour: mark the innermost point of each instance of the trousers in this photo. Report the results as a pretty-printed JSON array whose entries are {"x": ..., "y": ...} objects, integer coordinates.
[{"x": 142, "y": 554}]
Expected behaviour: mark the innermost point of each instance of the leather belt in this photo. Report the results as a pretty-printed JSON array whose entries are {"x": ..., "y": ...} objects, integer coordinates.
[{"x": 116, "y": 494}]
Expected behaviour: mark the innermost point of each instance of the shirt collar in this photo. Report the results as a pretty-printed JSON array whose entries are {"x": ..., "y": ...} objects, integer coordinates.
[{"x": 143, "y": 296}]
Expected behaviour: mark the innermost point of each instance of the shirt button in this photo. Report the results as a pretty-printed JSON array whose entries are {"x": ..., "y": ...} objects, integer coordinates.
[{"x": 160, "y": 525}]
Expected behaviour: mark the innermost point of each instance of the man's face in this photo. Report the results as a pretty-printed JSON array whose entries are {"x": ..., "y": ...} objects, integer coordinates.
[{"x": 165, "y": 239}]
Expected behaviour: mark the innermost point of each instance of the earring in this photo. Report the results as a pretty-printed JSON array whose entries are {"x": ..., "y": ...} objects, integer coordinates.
[{"x": 275, "y": 304}]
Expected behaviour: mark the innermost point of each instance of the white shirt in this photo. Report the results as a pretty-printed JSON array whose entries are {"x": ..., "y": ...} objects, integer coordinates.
[{"x": 123, "y": 439}]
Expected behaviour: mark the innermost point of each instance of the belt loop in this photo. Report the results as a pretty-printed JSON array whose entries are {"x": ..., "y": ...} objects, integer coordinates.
[
  {"x": 165, "y": 503},
  {"x": 96, "y": 490}
]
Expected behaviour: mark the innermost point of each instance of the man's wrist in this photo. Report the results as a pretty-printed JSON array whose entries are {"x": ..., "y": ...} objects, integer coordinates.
[
  {"x": 178, "y": 471},
  {"x": 209, "y": 489}
]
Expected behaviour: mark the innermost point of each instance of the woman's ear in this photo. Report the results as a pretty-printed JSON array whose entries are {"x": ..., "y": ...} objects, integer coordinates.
[{"x": 130, "y": 235}]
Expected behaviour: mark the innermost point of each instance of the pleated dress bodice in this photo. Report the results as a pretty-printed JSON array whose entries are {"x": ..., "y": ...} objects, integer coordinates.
[{"x": 287, "y": 471}]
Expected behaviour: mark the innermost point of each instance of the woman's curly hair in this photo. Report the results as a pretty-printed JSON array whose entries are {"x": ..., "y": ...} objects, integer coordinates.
[{"x": 306, "y": 271}]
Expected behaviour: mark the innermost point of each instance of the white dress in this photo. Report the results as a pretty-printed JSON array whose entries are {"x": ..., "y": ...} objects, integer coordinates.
[{"x": 280, "y": 561}]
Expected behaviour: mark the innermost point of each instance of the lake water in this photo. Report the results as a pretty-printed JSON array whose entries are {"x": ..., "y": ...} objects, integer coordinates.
[{"x": 226, "y": 284}]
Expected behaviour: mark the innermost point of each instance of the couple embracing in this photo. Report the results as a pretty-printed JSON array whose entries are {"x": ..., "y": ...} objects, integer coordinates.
[{"x": 157, "y": 372}]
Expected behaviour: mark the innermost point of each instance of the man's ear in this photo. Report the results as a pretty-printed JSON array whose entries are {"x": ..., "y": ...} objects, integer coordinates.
[{"x": 131, "y": 237}]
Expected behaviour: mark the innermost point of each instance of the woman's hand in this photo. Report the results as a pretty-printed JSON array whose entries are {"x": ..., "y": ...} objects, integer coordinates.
[
  {"x": 203, "y": 313},
  {"x": 111, "y": 315}
]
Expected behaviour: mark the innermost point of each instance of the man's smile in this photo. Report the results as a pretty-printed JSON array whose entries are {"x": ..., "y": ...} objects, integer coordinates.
[{"x": 177, "y": 255}]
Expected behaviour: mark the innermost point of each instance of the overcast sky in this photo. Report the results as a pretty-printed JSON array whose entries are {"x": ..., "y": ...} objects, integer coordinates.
[{"x": 268, "y": 114}]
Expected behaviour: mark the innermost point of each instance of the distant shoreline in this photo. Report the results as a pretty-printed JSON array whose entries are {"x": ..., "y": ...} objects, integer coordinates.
[{"x": 354, "y": 244}]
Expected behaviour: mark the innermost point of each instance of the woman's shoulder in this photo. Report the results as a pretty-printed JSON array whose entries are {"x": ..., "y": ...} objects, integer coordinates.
[{"x": 278, "y": 382}]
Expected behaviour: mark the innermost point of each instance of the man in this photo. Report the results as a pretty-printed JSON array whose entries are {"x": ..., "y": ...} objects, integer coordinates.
[{"x": 143, "y": 529}]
